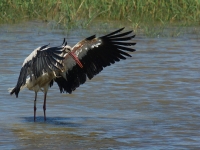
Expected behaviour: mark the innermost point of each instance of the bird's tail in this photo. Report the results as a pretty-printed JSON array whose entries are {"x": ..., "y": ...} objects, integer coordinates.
[{"x": 15, "y": 90}]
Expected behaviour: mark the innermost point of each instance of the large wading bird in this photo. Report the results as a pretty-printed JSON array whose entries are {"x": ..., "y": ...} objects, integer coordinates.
[{"x": 69, "y": 66}]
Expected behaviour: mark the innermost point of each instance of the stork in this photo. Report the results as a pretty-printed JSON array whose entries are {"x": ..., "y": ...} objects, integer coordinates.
[{"x": 69, "y": 66}]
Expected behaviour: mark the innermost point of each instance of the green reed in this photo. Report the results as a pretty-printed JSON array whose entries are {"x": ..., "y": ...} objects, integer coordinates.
[{"x": 137, "y": 13}]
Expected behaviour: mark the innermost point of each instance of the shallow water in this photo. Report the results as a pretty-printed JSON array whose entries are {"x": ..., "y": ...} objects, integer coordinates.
[{"x": 149, "y": 101}]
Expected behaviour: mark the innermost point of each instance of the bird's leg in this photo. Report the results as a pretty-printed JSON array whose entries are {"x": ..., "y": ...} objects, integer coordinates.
[
  {"x": 35, "y": 105},
  {"x": 44, "y": 105}
]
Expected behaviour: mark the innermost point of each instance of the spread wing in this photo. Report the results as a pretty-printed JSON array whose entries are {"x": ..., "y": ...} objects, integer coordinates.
[
  {"x": 46, "y": 60},
  {"x": 41, "y": 60},
  {"x": 95, "y": 54}
]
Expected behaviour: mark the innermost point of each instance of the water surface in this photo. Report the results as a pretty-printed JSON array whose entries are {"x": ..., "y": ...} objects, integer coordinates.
[{"x": 149, "y": 101}]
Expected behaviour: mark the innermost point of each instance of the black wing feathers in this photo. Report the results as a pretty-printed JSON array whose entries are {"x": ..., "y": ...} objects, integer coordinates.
[
  {"x": 43, "y": 47},
  {"x": 21, "y": 79},
  {"x": 47, "y": 59},
  {"x": 112, "y": 33},
  {"x": 101, "y": 52},
  {"x": 91, "y": 37},
  {"x": 117, "y": 35},
  {"x": 75, "y": 77}
]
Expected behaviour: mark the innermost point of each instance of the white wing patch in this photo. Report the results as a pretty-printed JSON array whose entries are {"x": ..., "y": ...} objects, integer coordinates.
[
  {"x": 83, "y": 50},
  {"x": 80, "y": 53},
  {"x": 31, "y": 56},
  {"x": 69, "y": 63},
  {"x": 96, "y": 45}
]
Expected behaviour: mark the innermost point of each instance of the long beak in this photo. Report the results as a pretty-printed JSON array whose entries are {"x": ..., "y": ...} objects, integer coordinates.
[{"x": 76, "y": 59}]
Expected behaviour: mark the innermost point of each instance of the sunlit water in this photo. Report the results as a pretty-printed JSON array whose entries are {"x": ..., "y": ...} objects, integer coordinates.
[{"x": 149, "y": 101}]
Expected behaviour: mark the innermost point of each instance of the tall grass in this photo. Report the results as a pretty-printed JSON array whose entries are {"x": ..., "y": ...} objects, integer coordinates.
[{"x": 83, "y": 12}]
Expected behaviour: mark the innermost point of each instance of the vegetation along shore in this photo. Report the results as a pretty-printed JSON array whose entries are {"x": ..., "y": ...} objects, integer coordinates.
[{"x": 71, "y": 13}]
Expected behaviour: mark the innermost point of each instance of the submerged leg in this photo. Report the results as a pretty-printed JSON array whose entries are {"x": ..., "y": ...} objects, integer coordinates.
[
  {"x": 35, "y": 105},
  {"x": 44, "y": 105}
]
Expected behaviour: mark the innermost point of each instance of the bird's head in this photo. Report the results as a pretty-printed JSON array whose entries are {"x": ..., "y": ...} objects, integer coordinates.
[
  {"x": 69, "y": 52},
  {"x": 67, "y": 48}
]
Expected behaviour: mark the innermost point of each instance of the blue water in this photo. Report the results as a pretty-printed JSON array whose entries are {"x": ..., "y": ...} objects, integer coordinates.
[{"x": 149, "y": 101}]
